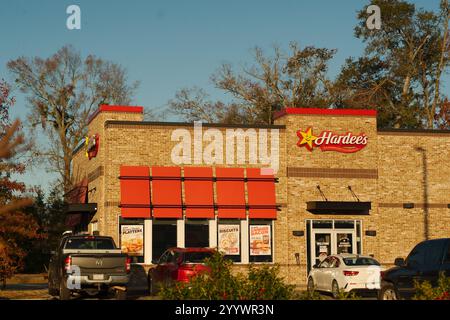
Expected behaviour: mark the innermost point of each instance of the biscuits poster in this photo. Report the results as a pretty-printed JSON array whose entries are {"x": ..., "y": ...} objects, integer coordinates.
[
  {"x": 132, "y": 239},
  {"x": 229, "y": 239},
  {"x": 260, "y": 244}
]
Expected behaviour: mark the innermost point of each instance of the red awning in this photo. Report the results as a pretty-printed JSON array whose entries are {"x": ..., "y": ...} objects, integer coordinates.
[
  {"x": 230, "y": 193},
  {"x": 166, "y": 199},
  {"x": 72, "y": 220},
  {"x": 135, "y": 192},
  {"x": 198, "y": 192},
  {"x": 78, "y": 194},
  {"x": 261, "y": 195}
]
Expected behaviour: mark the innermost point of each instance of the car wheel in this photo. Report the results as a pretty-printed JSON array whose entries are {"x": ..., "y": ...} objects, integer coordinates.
[
  {"x": 388, "y": 292},
  {"x": 121, "y": 294},
  {"x": 311, "y": 285},
  {"x": 64, "y": 292},
  {"x": 335, "y": 289}
]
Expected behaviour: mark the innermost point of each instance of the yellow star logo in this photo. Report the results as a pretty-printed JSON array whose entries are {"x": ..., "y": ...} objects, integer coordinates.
[{"x": 307, "y": 138}]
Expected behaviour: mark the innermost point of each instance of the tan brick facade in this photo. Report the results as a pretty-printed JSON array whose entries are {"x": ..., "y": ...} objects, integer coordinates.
[{"x": 388, "y": 172}]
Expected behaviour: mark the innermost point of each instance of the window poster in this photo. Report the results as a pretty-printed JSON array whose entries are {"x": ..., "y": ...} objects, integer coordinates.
[
  {"x": 132, "y": 239},
  {"x": 229, "y": 239},
  {"x": 260, "y": 244}
]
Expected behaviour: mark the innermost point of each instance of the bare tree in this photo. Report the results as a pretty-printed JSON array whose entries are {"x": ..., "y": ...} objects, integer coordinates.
[
  {"x": 294, "y": 79},
  {"x": 63, "y": 90}
]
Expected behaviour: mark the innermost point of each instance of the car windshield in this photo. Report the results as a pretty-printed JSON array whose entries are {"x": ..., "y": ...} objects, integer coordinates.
[
  {"x": 360, "y": 261},
  {"x": 196, "y": 257},
  {"x": 89, "y": 244}
]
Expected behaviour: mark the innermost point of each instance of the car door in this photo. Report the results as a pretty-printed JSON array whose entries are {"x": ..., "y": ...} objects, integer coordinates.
[
  {"x": 158, "y": 271},
  {"x": 332, "y": 272},
  {"x": 410, "y": 273},
  {"x": 321, "y": 274},
  {"x": 171, "y": 270},
  {"x": 434, "y": 256},
  {"x": 445, "y": 267}
]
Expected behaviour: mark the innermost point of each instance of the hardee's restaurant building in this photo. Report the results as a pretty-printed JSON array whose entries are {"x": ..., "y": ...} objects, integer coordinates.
[{"x": 317, "y": 182}]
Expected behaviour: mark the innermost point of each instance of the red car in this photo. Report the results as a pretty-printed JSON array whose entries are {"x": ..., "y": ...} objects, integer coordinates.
[{"x": 178, "y": 265}]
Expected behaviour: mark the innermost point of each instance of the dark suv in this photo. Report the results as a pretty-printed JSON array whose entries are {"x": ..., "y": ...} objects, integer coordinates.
[{"x": 425, "y": 262}]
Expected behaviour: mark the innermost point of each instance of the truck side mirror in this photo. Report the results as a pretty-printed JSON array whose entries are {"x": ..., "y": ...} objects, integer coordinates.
[{"x": 399, "y": 262}]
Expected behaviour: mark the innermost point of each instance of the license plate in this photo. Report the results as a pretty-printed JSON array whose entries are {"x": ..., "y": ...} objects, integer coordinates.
[{"x": 98, "y": 277}]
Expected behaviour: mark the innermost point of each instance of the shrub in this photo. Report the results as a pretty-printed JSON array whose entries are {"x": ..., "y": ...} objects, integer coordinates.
[
  {"x": 221, "y": 284},
  {"x": 425, "y": 291}
]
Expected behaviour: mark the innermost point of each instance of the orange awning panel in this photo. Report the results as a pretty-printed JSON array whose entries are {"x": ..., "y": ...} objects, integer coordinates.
[
  {"x": 261, "y": 195},
  {"x": 198, "y": 192},
  {"x": 166, "y": 199},
  {"x": 230, "y": 193},
  {"x": 135, "y": 192}
]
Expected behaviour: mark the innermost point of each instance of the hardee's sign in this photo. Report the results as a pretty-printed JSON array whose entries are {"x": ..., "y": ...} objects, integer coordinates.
[{"x": 330, "y": 141}]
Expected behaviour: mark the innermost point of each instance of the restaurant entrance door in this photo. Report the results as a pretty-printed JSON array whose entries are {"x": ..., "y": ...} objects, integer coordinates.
[{"x": 332, "y": 237}]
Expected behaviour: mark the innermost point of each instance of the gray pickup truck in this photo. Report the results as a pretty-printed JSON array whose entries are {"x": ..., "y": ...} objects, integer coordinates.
[{"x": 88, "y": 264}]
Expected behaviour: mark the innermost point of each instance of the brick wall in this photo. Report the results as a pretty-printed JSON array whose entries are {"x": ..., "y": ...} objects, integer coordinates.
[{"x": 387, "y": 172}]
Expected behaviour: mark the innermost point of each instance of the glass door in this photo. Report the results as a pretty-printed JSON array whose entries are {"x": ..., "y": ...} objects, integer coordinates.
[
  {"x": 326, "y": 242},
  {"x": 322, "y": 246},
  {"x": 345, "y": 242}
]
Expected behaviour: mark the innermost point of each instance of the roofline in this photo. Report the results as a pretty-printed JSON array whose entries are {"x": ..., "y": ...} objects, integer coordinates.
[
  {"x": 326, "y": 112},
  {"x": 191, "y": 124},
  {"x": 109, "y": 108},
  {"x": 425, "y": 131}
]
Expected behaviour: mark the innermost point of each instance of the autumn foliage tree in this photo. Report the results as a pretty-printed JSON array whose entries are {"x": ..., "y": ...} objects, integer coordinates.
[
  {"x": 63, "y": 90},
  {"x": 15, "y": 226}
]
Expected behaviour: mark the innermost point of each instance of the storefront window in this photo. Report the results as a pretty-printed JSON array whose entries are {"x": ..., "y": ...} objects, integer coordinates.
[
  {"x": 196, "y": 233},
  {"x": 344, "y": 224},
  {"x": 260, "y": 241},
  {"x": 132, "y": 239},
  {"x": 229, "y": 239},
  {"x": 164, "y": 236},
  {"x": 323, "y": 224}
]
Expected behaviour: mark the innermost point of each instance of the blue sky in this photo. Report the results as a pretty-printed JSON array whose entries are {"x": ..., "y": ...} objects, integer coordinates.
[{"x": 167, "y": 45}]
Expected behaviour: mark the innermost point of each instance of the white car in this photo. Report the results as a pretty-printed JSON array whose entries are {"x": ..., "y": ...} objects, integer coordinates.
[{"x": 345, "y": 272}]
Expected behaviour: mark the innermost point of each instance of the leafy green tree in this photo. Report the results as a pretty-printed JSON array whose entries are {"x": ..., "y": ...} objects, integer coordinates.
[{"x": 401, "y": 71}]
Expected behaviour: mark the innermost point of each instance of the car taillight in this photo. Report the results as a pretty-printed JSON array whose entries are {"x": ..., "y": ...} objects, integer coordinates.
[
  {"x": 128, "y": 264},
  {"x": 67, "y": 263},
  {"x": 185, "y": 272},
  {"x": 382, "y": 274},
  {"x": 350, "y": 273}
]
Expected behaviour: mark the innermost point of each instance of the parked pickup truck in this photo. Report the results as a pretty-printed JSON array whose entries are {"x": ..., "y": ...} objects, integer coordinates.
[
  {"x": 88, "y": 264},
  {"x": 426, "y": 262}
]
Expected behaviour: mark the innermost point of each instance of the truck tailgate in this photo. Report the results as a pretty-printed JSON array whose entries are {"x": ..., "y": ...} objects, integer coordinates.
[{"x": 100, "y": 263}]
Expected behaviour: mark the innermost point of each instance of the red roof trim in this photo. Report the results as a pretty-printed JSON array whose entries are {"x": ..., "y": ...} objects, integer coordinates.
[
  {"x": 105, "y": 107},
  {"x": 330, "y": 112}
]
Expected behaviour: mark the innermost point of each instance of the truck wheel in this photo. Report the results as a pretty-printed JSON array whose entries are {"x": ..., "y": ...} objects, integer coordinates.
[
  {"x": 64, "y": 292},
  {"x": 121, "y": 294},
  {"x": 388, "y": 292}
]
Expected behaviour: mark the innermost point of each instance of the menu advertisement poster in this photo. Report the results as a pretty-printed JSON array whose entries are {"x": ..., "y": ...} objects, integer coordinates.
[
  {"x": 229, "y": 239},
  {"x": 132, "y": 239},
  {"x": 260, "y": 244}
]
